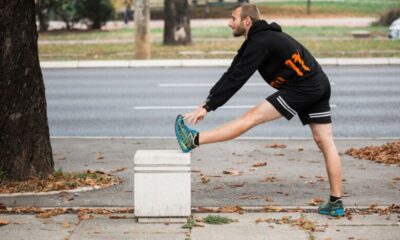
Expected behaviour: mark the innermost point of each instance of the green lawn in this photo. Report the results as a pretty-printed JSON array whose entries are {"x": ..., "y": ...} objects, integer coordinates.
[
  {"x": 321, "y": 41},
  {"x": 338, "y": 8}
]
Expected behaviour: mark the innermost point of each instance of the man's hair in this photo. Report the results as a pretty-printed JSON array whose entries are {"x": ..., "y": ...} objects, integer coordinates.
[{"x": 248, "y": 10}]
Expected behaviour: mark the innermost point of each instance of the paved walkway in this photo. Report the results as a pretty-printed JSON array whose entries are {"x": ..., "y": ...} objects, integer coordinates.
[{"x": 293, "y": 176}]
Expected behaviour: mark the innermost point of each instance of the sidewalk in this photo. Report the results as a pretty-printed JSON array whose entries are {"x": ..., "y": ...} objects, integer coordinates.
[
  {"x": 204, "y": 23},
  {"x": 293, "y": 176}
]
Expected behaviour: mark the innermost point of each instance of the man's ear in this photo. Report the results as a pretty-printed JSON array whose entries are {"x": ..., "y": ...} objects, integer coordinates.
[{"x": 247, "y": 21}]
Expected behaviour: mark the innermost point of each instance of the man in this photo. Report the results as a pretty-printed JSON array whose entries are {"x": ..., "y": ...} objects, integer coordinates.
[{"x": 303, "y": 89}]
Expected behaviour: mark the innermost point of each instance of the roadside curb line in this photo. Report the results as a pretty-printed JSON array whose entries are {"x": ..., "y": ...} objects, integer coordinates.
[{"x": 202, "y": 63}]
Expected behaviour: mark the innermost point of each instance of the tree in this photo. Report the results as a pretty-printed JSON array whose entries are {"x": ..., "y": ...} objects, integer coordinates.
[
  {"x": 42, "y": 11},
  {"x": 25, "y": 148},
  {"x": 177, "y": 22},
  {"x": 308, "y": 7},
  {"x": 98, "y": 12}
]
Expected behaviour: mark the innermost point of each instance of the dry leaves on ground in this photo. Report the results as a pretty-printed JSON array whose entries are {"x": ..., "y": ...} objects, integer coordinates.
[
  {"x": 301, "y": 222},
  {"x": 388, "y": 153},
  {"x": 60, "y": 181},
  {"x": 204, "y": 178},
  {"x": 51, "y": 212},
  {"x": 236, "y": 185},
  {"x": 276, "y": 145}
]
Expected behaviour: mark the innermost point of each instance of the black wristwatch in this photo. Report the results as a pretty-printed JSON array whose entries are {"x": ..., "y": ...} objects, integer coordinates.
[{"x": 206, "y": 107}]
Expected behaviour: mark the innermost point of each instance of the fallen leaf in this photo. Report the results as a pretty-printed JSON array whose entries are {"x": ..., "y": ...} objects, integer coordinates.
[
  {"x": 99, "y": 156},
  {"x": 4, "y": 221},
  {"x": 66, "y": 224},
  {"x": 205, "y": 179},
  {"x": 231, "y": 172},
  {"x": 118, "y": 170},
  {"x": 117, "y": 217},
  {"x": 276, "y": 145},
  {"x": 61, "y": 158},
  {"x": 316, "y": 202},
  {"x": 2, "y": 206},
  {"x": 268, "y": 179},
  {"x": 279, "y": 154},
  {"x": 269, "y": 208},
  {"x": 261, "y": 164},
  {"x": 300, "y": 149},
  {"x": 237, "y": 185},
  {"x": 268, "y": 199},
  {"x": 230, "y": 209}
]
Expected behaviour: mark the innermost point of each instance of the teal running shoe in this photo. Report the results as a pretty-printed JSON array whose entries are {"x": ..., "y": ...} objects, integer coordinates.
[
  {"x": 185, "y": 135},
  {"x": 334, "y": 209}
]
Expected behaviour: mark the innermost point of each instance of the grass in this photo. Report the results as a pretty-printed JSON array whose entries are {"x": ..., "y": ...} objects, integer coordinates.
[
  {"x": 321, "y": 41},
  {"x": 218, "y": 220},
  {"x": 338, "y": 8}
]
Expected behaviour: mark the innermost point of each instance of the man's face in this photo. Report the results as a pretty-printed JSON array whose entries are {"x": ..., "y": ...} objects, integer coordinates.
[{"x": 236, "y": 23}]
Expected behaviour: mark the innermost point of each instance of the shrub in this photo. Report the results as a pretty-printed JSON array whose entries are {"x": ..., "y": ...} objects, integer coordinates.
[{"x": 389, "y": 16}]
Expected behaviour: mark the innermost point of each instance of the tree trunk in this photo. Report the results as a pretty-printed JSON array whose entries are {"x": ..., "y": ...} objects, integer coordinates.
[
  {"x": 42, "y": 9},
  {"x": 308, "y": 7},
  {"x": 25, "y": 148},
  {"x": 177, "y": 22},
  {"x": 142, "y": 29}
]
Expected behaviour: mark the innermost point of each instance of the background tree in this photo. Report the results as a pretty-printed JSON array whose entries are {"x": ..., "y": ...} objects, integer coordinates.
[
  {"x": 42, "y": 11},
  {"x": 98, "y": 12},
  {"x": 177, "y": 22},
  {"x": 24, "y": 134},
  {"x": 308, "y": 6}
]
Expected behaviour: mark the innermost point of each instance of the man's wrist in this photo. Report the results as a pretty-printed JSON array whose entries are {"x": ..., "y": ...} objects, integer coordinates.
[{"x": 206, "y": 107}]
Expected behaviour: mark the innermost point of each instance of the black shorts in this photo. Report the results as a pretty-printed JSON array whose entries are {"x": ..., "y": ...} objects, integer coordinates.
[{"x": 312, "y": 105}]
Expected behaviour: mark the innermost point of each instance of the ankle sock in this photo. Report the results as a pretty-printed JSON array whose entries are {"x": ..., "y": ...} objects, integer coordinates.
[
  {"x": 333, "y": 198},
  {"x": 196, "y": 140}
]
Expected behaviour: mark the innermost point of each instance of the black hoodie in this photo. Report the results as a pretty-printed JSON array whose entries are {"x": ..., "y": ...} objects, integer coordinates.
[{"x": 281, "y": 60}]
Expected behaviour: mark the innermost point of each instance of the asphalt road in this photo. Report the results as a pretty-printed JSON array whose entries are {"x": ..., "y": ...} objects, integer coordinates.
[{"x": 143, "y": 102}]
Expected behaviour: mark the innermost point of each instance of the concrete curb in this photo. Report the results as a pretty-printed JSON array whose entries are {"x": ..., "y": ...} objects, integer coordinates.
[{"x": 203, "y": 63}]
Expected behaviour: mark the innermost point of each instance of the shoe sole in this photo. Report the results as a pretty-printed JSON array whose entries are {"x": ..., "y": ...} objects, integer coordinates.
[
  {"x": 178, "y": 136},
  {"x": 337, "y": 213}
]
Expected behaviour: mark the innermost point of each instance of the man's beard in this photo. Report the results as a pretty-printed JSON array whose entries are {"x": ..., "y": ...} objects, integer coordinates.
[{"x": 240, "y": 30}]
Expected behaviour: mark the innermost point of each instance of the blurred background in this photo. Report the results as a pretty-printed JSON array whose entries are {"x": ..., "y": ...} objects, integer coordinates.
[{"x": 104, "y": 29}]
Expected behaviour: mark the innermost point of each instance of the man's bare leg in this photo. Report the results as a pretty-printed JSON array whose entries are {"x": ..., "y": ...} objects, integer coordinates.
[
  {"x": 323, "y": 137},
  {"x": 261, "y": 113}
]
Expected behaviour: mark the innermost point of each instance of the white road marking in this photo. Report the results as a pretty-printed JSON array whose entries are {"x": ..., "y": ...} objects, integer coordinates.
[
  {"x": 188, "y": 107},
  {"x": 193, "y": 107},
  {"x": 204, "y": 84},
  {"x": 209, "y": 84}
]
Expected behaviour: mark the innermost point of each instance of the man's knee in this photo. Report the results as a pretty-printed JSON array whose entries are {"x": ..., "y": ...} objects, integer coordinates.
[{"x": 322, "y": 141}]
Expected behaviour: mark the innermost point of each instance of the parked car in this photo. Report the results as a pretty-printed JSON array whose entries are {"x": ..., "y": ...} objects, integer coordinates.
[{"x": 394, "y": 29}]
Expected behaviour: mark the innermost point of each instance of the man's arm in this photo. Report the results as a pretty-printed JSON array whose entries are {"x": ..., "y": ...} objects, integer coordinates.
[
  {"x": 242, "y": 68},
  {"x": 245, "y": 63}
]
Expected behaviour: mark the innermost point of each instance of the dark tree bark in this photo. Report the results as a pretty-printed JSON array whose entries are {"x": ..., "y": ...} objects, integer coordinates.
[
  {"x": 25, "y": 148},
  {"x": 177, "y": 22}
]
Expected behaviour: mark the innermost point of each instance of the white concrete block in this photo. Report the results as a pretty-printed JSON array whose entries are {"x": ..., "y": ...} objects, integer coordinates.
[
  {"x": 394, "y": 61},
  {"x": 162, "y": 183}
]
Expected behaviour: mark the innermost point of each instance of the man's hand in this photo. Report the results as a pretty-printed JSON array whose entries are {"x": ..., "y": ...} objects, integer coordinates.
[{"x": 197, "y": 115}]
